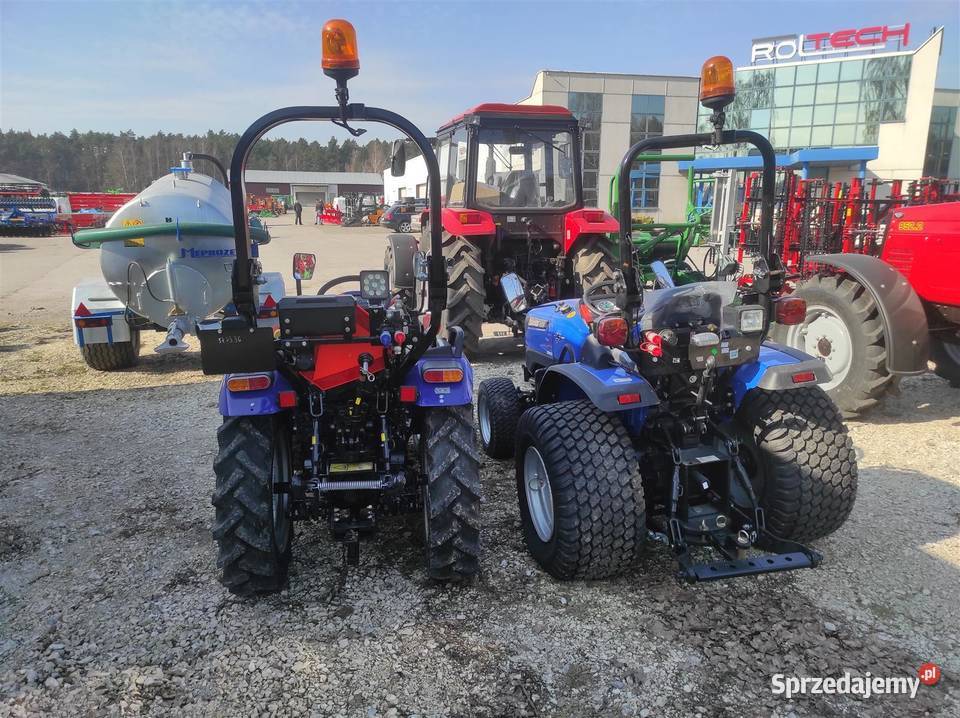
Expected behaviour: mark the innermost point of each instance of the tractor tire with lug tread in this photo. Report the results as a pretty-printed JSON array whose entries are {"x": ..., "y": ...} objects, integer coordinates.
[
  {"x": 594, "y": 263},
  {"x": 946, "y": 359},
  {"x": 498, "y": 410},
  {"x": 592, "y": 490},
  {"x": 111, "y": 357},
  {"x": 801, "y": 461},
  {"x": 465, "y": 293},
  {"x": 252, "y": 527},
  {"x": 843, "y": 327},
  {"x": 451, "y": 502}
]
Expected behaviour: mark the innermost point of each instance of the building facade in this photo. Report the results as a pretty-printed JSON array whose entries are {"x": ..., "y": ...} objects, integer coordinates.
[{"x": 310, "y": 187}]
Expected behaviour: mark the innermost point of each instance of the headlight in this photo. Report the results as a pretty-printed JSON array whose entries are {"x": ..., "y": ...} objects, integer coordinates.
[
  {"x": 373, "y": 284},
  {"x": 751, "y": 320}
]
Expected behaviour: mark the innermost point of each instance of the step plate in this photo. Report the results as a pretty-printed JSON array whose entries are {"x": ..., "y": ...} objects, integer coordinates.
[{"x": 769, "y": 563}]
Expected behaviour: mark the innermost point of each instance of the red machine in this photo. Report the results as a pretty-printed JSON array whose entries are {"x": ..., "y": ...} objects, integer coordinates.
[{"x": 90, "y": 209}]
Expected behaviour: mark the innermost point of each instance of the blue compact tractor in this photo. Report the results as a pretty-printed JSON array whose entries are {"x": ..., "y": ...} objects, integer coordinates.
[
  {"x": 356, "y": 409},
  {"x": 660, "y": 413}
]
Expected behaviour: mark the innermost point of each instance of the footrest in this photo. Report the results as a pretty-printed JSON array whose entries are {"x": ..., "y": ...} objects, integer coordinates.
[{"x": 769, "y": 563}]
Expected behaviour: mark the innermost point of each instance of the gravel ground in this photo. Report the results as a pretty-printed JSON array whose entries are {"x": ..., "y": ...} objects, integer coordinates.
[{"x": 110, "y": 605}]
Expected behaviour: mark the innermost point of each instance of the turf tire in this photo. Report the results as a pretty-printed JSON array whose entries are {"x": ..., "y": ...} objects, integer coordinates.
[{"x": 499, "y": 399}]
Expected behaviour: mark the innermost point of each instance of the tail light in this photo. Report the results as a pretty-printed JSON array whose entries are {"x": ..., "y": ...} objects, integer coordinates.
[
  {"x": 470, "y": 218},
  {"x": 443, "y": 375},
  {"x": 92, "y": 323},
  {"x": 593, "y": 215},
  {"x": 612, "y": 331},
  {"x": 268, "y": 310},
  {"x": 652, "y": 344},
  {"x": 249, "y": 382},
  {"x": 791, "y": 310}
]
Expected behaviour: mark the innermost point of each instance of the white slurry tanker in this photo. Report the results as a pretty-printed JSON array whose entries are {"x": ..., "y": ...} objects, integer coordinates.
[{"x": 166, "y": 258}]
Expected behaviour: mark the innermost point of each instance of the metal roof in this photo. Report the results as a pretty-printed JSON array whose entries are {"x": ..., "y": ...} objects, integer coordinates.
[
  {"x": 17, "y": 179},
  {"x": 294, "y": 177},
  {"x": 501, "y": 108}
]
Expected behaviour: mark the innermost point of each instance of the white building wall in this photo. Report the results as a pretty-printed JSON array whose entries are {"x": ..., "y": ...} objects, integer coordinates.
[{"x": 416, "y": 173}]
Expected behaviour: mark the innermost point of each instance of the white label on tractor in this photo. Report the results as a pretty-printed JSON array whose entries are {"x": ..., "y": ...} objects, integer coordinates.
[{"x": 441, "y": 390}]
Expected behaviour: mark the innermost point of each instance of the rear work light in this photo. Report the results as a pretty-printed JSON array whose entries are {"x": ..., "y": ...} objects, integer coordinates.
[
  {"x": 443, "y": 375},
  {"x": 612, "y": 331},
  {"x": 249, "y": 382},
  {"x": 803, "y": 377},
  {"x": 791, "y": 310}
]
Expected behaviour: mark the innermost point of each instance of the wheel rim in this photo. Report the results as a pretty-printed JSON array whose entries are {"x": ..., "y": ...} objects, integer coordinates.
[
  {"x": 405, "y": 227},
  {"x": 824, "y": 335},
  {"x": 281, "y": 500},
  {"x": 536, "y": 485},
  {"x": 483, "y": 411}
]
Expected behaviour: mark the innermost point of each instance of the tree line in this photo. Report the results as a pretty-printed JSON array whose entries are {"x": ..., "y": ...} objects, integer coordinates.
[{"x": 106, "y": 161}]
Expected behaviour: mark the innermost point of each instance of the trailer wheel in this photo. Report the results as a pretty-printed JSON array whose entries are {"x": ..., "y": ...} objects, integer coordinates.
[
  {"x": 111, "y": 357},
  {"x": 594, "y": 263},
  {"x": 800, "y": 459},
  {"x": 465, "y": 294},
  {"x": 498, "y": 411},
  {"x": 579, "y": 488},
  {"x": 252, "y": 526},
  {"x": 946, "y": 359},
  {"x": 843, "y": 328},
  {"x": 451, "y": 500}
]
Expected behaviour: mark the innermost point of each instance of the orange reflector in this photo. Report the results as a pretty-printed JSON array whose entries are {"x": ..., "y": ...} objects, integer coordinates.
[
  {"x": 443, "y": 376},
  {"x": 612, "y": 331},
  {"x": 628, "y": 399},
  {"x": 339, "y": 41},
  {"x": 717, "y": 87},
  {"x": 470, "y": 218},
  {"x": 287, "y": 399},
  {"x": 408, "y": 394},
  {"x": 249, "y": 382},
  {"x": 268, "y": 314},
  {"x": 803, "y": 377}
]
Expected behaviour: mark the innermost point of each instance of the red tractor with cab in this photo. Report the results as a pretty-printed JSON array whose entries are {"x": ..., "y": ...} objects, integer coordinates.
[{"x": 512, "y": 191}]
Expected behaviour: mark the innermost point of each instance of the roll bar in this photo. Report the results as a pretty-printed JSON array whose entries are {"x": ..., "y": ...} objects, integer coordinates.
[
  {"x": 767, "y": 277},
  {"x": 245, "y": 268}
]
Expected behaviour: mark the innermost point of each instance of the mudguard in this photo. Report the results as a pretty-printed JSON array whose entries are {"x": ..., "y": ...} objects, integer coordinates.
[
  {"x": 603, "y": 387},
  {"x": 904, "y": 320},
  {"x": 253, "y": 403},
  {"x": 774, "y": 370},
  {"x": 480, "y": 223},
  {"x": 404, "y": 250},
  {"x": 586, "y": 221},
  {"x": 101, "y": 304},
  {"x": 447, "y": 353}
]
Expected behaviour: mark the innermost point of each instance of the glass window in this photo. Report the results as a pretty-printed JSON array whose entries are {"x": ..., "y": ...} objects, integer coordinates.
[
  {"x": 893, "y": 111},
  {"x": 527, "y": 168},
  {"x": 802, "y": 116},
  {"x": 823, "y": 114},
  {"x": 807, "y": 74},
  {"x": 759, "y": 119},
  {"x": 778, "y": 137},
  {"x": 869, "y": 112},
  {"x": 821, "y": 136},
  {"x": 784, "y": 76},
  {"x": 645, "y": 186},
  {"x": 851, "y": 69},
  {"x": 587, "y": 107},
  {"x": 867, "y": 134},
  {"x": 800, "y": 137},
  {"x": 848, "y": 92},
  {"x": 591, "y": 141},
  {"x": 940, "y": 141},
  {"x": 804, "y": 94},
  {"x": 457, "y": 169},
  {"x": 783, "y": 96},
  {"x": 827, "y": 94},
  {"x": 781, "y": 118},
  {"x": 846, "y": 113},
  {"x": 844, "y": 134},
  {"x": 829, "y": 72}
]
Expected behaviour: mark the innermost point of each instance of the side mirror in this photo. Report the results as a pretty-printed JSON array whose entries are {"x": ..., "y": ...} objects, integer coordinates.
[
  {"x": 513, "y": 292},
  {"x": 303, "y": 266},
  {"x": 398, "y": 159}
]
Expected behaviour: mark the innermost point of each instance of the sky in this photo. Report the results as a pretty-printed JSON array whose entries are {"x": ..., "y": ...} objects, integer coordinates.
[{"x": 192, "y": 66}]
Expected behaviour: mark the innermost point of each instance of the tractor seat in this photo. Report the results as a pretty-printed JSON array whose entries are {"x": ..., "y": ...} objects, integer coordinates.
[{"x": 521, "y": 186}]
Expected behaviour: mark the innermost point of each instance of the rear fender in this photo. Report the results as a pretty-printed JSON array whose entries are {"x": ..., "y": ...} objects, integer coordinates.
[
  {"x": 904, "y": 320},
  {"x": 451, "y": 394},
  {"x": 586, "y": 221},
  {"x": 602, "y": 387},
  {"x": 253, "y": 403},
  {"x": 103, "y": 307},
  {"x": 774, "y": 370}
]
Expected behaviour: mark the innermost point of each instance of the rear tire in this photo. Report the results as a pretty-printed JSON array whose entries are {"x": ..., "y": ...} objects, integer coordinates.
[
  {"x": 946, "y": 359},
  {"x": 451, "y": 502},
  {"x": 252, "y": 529},
  {"x": 843, "y": 327},
  {"x": 111, "y": 357},
  {"x": 800, "y": 459},
  {"x": 593, "y": 490},
  {"x": 498, "y": 411},
  {"x": 594, "y": 263},
  {"x": 465, "y": 294}
]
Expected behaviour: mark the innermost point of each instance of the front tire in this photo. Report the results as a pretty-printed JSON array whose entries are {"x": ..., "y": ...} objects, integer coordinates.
[
  {"x": 498, "y": 411},
  {"x": 800, "y": 459},
  {"x": 252, "y": 527},
  {"x": 843, "y": 328},
  {"x": 111, "y": 357},
  {"x": 451, "y": 502},
  {"x": 580, "y": 493},
  {"x": 465, "y": 294},
  {"x": 946, "y": 360}
]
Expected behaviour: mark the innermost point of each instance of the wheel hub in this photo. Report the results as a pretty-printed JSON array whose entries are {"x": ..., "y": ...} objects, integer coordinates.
[
  {"x": 536, "y": 483},
  {"x": 825, "y": 335}
]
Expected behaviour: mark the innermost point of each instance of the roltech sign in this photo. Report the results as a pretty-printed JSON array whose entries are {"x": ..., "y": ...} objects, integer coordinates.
[{"x": 820, "y": 44}]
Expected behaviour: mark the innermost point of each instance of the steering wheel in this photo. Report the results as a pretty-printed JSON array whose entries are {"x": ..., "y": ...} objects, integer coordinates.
[
  {"x": 600, "y": 298},
  {"x": 338, "y": 280}
]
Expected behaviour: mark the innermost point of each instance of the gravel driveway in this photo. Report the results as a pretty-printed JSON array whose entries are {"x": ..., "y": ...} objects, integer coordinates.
[{"x": 109, "y": 602}]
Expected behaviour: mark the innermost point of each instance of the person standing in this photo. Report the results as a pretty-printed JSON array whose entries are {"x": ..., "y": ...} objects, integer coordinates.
[
  {"x": 318, "y": 213},
  {"x": 298, "y": 210}
]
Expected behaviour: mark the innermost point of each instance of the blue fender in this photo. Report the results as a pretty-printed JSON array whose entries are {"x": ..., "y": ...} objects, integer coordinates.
[
  {"x": 253, "y": 403},
  {"x": 431, "y": 394},
  {"x": 603, "y": 387},
  {"x": 775, "y": 369}
]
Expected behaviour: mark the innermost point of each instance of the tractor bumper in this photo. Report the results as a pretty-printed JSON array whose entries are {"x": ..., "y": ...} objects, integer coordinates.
[{"x": 766, "y": 563}]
